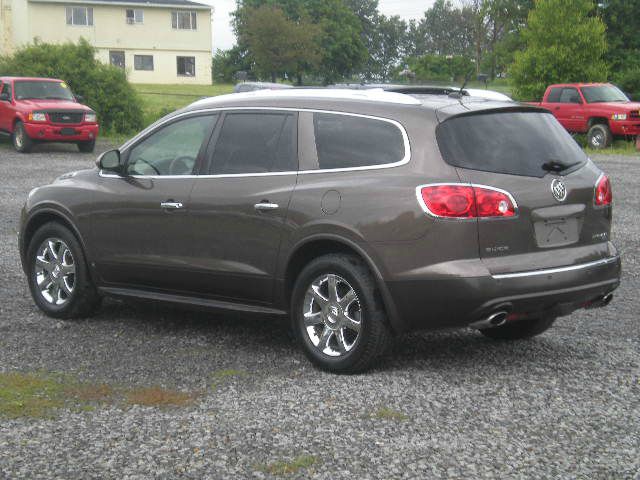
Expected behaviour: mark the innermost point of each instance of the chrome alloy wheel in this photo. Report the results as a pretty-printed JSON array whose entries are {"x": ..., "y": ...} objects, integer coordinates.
[
  {"x": 55, "y": 271},
  {"x": 332, "y": 315}
]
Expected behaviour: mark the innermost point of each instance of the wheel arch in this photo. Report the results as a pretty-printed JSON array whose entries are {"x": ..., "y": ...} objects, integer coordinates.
[
  {"x": 317, "y": 246},
  {"x": 597, "y": 121},
  {"x": 40, "y": 217}
]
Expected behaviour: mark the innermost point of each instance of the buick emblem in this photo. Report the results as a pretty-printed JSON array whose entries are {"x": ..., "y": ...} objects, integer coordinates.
[
  {"x": 559, "y": 190},
  {"x": 334, "y": 310}
]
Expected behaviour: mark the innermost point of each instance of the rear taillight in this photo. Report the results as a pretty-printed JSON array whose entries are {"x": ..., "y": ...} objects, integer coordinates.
[
  {"x": 603, "y": 195},
  {"x": 455, "y": 200}
]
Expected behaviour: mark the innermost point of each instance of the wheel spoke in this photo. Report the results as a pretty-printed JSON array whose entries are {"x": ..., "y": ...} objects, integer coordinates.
[
  {"x": 63, "y": 286},
  {"x": 333, "y": 288},
  {"x": 42, "y": 263},
  {"x": 51, "y": 247},
  {"x": 342, "y": 344},
  {"x": 312, "y": 318},
  {"x": 350, "y": 323},
  {"x": 55, "y": 293},
  {"x": 45, "y": 283},
  {"x": 327, "y": 333},
  {"x": 349, "y": 297},
  {"x": 317, "y": 296},
  {"x": 67, "y": 269}
]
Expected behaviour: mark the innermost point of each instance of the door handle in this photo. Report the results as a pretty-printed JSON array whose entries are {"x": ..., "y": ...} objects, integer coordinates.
[
  {"x": 171, "y": 205},
  {"x": 266, "y": 206}
]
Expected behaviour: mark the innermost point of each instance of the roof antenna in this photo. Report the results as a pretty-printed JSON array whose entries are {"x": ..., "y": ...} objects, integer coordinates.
[{"x": 460, "y": 93}]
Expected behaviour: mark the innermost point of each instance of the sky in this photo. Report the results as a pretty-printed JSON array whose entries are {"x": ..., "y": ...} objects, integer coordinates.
[{"x": 223, "y": 37}]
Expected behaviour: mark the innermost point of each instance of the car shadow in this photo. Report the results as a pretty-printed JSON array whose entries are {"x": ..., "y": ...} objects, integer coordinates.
[{"x": 242, "y": 336}]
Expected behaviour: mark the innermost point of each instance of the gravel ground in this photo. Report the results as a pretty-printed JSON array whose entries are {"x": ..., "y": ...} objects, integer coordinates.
[{"x": 441, "y": 405}]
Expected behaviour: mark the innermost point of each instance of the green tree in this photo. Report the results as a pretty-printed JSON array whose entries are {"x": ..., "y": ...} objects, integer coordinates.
[
  {"x": 227, "y": 63},
  {"x": 565, "y": 42},
  {"x": 279, "y": 45},
  {"x": 104, "y": 87},
  {"x": 622, "y": 19},
  {"x": 342, "y": 51}
]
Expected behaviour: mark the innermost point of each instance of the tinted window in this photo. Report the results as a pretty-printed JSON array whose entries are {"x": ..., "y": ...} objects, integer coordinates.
[
  {"x": 603, "y": 93},
  {"x": 345, "y": 141},
  {"x": 42, "y": 90},
  {"x": 6, "y": 88},
  {"x": 516, "y": 143},
  {"x": 255, "y": 143},
  {"x": 172, "y": 150},
  {"x": 569, "y": 95},
  {"x": 554, "y": 95}
]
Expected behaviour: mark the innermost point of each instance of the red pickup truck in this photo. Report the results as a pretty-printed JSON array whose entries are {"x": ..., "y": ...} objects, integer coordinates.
[
  {"x": 601, "y": 110},
  {"x": 36, "y": 110}
]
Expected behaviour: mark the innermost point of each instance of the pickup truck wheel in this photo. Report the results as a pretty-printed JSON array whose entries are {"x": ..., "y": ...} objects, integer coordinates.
[
  {"x": 520, "y": 329},
  {"x": 87, "y": 147},
  {"x": 21, "y": 141},
  {"x": 599, "y": 136}
]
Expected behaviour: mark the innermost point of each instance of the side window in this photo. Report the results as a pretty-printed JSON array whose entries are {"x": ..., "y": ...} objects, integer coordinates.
[
  {"x": 6, "y": 88},
  {"x": 173, "y": 149},
  {"x": 554, "y": 95},
  {"x": 569, "y": 95},
  {"x": 255, "y": 143},
  {"x": 347, "y": 141}
]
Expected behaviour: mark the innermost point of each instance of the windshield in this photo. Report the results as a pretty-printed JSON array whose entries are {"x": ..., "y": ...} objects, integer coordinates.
[
  {"x": 603, "y": 93},
  {"x": 516, "y": 143},
  {"x": 42, "y": 90}
]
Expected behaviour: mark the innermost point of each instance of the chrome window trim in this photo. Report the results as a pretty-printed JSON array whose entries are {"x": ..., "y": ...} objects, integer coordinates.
[
  {"x": 549, "y": 271},
  {"x": 159, "y": 124},
  {"x": 462, "y": 184}
]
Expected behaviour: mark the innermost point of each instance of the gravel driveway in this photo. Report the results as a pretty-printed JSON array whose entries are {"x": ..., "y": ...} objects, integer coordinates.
[{"x": 168, "y": 393}]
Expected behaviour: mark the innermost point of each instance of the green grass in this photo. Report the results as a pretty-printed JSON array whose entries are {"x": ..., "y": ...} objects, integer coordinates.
[
  {"x": 221, "y": 376},
  {"x": 289, "y": 467},
  {"x": 41, "y": 395},
  {"x": 618, "y": 147},
  {"x": 34, "y": 395},
  {"x": 385, "y": 413},
  {"x": 159, "y": 100}
]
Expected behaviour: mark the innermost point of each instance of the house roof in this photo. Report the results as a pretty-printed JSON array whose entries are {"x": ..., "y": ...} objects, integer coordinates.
[{"x": 143, "y": 3}]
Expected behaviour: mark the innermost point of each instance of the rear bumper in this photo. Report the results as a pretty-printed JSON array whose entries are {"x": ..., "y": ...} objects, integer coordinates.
[
  {"x": 430, "y": 304},
  {"x": 53, "y": 133}
]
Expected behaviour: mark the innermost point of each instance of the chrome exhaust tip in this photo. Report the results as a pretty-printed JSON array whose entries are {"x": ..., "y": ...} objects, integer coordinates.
[
  {"x": 600, "y": 302},
  {"x": 493, "y": 320}
]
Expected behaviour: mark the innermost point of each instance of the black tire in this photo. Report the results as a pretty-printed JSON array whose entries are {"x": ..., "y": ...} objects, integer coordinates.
[
  {"x": 87, "y": 147},
  {"x": 21, "y": 141},
  {"x": 374, "y": 335},
  {"x": 599, "y": 136},
  {"x": 83, "y": 299},
  {"x": 520, "y": 329}
]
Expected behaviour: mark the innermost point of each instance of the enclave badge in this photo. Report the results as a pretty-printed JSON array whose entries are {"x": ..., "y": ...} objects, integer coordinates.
[{"x": 559, "y": 190}]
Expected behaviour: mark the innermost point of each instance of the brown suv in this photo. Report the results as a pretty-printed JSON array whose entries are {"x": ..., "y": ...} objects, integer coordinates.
[{"x": 360, "y": 214}]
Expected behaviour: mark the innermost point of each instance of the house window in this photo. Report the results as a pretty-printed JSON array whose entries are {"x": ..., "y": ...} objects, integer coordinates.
[
  {"x": 183, "y": 20},
  {"x": 79, "y": 16},
  {"x": 143, "y": 62},
  {"x": 187, "y": 66},
  {"x": 134, "y": 16},
  {"x": 116, "y": 58}
]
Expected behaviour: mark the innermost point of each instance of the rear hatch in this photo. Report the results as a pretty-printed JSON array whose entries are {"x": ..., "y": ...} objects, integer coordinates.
[{"x": 527, "y": 153}]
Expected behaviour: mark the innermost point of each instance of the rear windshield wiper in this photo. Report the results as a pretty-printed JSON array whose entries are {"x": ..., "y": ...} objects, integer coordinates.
[{"x": 557, "y": 166}]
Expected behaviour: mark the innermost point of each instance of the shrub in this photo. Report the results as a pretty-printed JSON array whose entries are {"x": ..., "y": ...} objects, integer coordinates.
[
  {"x": 440, "y": 68},
  {"x": 629, "y": 82},
  {"x": 104, "y": 87}
]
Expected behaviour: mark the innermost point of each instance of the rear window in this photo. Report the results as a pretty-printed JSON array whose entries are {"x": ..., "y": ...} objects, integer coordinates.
[
  {"x": 514, "y": 143},
  {"x": 347, "y": 141}
]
